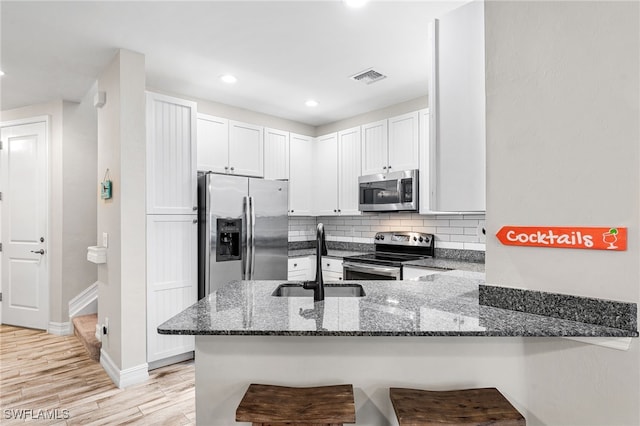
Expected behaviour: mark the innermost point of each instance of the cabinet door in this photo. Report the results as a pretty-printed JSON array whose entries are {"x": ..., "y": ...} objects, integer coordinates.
[
  {"x": 300, "y": 175},
  {"x": 246, "y": 149},
  {"x": 171, "y": 155},
  {"x": 213, "y": 143},
  {"x": 403, "y": 142},
  {"x": 374, "y": 148},
  {"x": 325, "y": 170},
  {"x": 458, "y": 116},
  {"x": 426, "y": 171},
  {"x": 172, "y": 255},
  {"x": 276, "y": 154},
  {"x": 349, "y": 169}
]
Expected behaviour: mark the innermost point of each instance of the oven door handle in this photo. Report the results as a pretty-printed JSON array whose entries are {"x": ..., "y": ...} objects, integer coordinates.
[{"x": 356, "y": 267}]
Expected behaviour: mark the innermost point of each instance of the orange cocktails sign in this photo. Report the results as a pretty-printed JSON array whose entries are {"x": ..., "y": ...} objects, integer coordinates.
[{"x": 564, "y": 237}]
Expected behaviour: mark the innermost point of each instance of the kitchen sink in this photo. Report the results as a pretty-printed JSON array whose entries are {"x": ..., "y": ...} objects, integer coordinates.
[{"x": 330, "y": 290}]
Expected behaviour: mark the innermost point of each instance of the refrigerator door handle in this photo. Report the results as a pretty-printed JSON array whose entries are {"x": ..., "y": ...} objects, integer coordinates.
[
  {"x": 252, "y": 236},
  {"x": 245, "y": 244}
]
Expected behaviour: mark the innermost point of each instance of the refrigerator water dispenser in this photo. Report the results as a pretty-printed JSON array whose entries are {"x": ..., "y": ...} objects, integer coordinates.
[{"x": 229, "y": 240}]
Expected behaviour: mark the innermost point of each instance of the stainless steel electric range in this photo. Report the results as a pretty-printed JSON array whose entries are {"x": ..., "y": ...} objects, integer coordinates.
[{"x": 392, "y": 251}]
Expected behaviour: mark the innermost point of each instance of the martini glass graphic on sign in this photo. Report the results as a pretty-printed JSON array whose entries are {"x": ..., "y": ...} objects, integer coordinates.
[{"x": 610, "y": 238}]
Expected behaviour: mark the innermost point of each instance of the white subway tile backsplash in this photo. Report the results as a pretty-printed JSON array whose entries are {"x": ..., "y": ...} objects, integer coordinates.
[
  {"x": 451, "y": 231},
  {"x": 450, "y": 245},
  {"x": 463, "y": 238},
  {"x": 475, "y": 246}
]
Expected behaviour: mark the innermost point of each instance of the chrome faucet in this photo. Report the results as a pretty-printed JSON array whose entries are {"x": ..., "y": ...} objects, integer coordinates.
[{"x": 321, "y": 249}]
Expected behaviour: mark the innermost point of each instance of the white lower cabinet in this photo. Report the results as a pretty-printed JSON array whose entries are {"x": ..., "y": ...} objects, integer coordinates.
[
  {"x": 299, "y": 268},
  {"x": 172, "y": 280},
  {"x": 409, "y": 273},
  {"x": 331, "y": 269}
]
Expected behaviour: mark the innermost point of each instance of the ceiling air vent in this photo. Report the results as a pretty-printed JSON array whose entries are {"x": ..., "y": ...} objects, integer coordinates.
[{"x": 368, "y": 76}]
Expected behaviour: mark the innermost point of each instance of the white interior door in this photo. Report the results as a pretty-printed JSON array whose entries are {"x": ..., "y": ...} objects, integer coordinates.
[{"x": 25, "y": 277}]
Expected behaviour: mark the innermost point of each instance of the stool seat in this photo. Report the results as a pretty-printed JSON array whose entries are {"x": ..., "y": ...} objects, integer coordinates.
[
  {"x": 274, "y": 405},
  {"x": 486, "y": 406}
]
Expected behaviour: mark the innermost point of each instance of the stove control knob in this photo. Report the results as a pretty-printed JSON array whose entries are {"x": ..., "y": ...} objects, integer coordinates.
[
  {"x": 382, "y": 237},
  {"x": 377, "y": 237},
  {"x": 420, "y": 239},
  {"x": 415, "y": 238}
]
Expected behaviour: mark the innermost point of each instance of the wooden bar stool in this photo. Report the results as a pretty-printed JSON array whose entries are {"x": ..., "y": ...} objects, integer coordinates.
[
  {"x": 484, "y": 407},
  {"x": 266, "y": 405}
]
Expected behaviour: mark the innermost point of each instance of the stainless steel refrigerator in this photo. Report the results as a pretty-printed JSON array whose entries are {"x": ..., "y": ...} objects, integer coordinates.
[{"x": 243, "y": 230}]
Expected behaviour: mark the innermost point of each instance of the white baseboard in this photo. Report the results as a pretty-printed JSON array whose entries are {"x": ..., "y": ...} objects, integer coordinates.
[
  {"x": 171, "y": 360},
  {"x": 60, "y": 328},
  {"x": 123, "y": 378},
  {"x": 86, "y": 302}
]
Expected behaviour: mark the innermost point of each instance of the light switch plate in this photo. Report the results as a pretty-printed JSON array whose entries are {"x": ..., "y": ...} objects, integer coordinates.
[{"x": 105, "y": 240}]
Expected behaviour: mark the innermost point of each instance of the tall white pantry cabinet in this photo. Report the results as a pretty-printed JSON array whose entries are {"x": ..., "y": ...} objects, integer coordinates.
[{"x": 172, "y": 229}]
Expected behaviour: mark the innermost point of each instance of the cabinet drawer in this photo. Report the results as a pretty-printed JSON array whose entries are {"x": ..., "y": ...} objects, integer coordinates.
[
  {"x": 333, "y": 265},
  {"x": 331, "y": 276},
  {"x": 298, "y": 264}
]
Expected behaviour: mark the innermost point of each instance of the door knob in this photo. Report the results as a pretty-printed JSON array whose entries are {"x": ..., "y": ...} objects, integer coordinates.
[{"x": 41, "y": 251}]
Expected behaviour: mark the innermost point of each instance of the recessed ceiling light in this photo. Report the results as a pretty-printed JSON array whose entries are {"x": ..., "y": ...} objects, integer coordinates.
[
  {"x": 228, "y": 78},
  {"x": 311, "y": 103},
  {"x": 355, "y": 3}
]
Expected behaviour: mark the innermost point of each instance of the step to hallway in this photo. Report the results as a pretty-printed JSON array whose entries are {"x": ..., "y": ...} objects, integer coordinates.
[{"x": 84, "y": 327}]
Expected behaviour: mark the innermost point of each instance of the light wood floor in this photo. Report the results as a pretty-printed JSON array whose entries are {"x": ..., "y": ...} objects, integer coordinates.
[{"x": 40, "y": 371}]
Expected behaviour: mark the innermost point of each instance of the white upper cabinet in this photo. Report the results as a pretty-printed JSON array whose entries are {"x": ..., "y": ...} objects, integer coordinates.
[
  {"x": 390, "y": 145},
  {"x": 426, "y": 171},
  {"x": 246, "y": 149},
  {"x": 226, "y": 146},
  {"x": 457, "y": 109},
  {"x": 349, "y": 169},
  {"x": 171, "y": 155},
  {"x": 213, "y": 143},
  {"x": 325, "y": 181},
  {"x": 403, "y": 142},
  {"x": 375, "y": 157},
  {"x": 276, "y": 154},
  {"x": 300, "y": 175}
]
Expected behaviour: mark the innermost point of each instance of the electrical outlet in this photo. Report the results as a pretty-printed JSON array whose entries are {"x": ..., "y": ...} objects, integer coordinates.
[{"x": 105, "y": 240}]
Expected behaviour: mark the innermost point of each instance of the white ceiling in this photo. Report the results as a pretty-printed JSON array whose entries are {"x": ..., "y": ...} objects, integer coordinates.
[{"x": 282, "y": 53}]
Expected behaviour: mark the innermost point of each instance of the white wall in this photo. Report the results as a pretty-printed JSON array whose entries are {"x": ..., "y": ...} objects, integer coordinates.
[
  {"x": 563, "y": 120},
  {"x": 78, "y": 198},
  {"x": 121, "y": 148},
  {"x": 240, "y": 114},
  {"x": 72, "y": 222},
  {"x": 372, "y": 116}
]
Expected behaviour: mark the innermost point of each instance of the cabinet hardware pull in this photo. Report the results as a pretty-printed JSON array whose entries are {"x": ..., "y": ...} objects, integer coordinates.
[
  {"x": 195, "y": 208},
  {"x": 226, "y": 167},
  {"x": 389, "y": 166},
  {"x": 232, "y": 169},
  {"x": 195, "y": 220},
  {"x": 384, "y": 168}
]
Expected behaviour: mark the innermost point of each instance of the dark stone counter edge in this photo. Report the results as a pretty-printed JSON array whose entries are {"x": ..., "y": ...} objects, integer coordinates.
[
  {"x": 491, "y": 333},
  {"x": 607, "y": 313}
]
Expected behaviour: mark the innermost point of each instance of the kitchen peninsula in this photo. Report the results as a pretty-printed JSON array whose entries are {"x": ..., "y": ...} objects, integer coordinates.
[{"x": 428, "y": 333}]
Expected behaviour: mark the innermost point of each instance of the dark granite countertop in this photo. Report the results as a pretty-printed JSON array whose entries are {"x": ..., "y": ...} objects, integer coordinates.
[
  {"x": 336, "y": 254},
  {"x": 444, "y": 304}
]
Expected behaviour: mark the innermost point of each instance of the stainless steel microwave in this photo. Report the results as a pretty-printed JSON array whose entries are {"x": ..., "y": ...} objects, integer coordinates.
[{"x": 395, "y": 191}]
